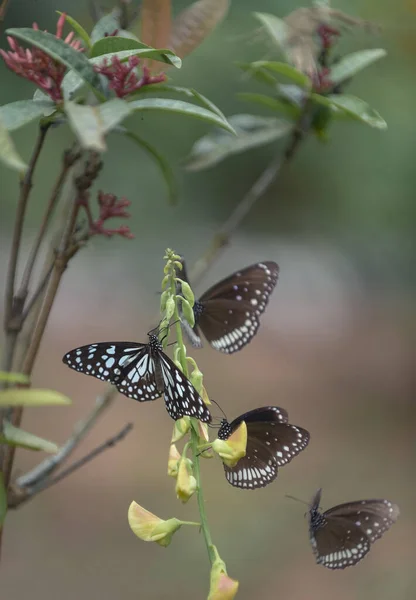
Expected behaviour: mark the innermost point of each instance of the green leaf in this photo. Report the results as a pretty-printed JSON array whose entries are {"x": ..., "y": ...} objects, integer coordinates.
[
  {"x": 160, "y": 160},
  {"x": 106, "y": 25},
  {"x": 350, "y": 107},
  {"x": 283, "y": 69},
  {"x": 3, "y": 500},
  {"x": 8, "y": 153},
  {"x": 176, "y": 89},
  {"x": 78, "y": 28},
  {"x": 14, "y": 377},
  {"x": 32, "y": 397},
  {"x": 353, "y": 63},
  {"x": 113, "y": 45},
  {"x": 13, "y": 436},
  {"x": 275, "y": 27},
  {"x": 91, "y": 123},
  {"x": 280, "y": 106},
  {"x": 113, "y": 112},
  {"x": 20, "y": 113},
  {"x": 61, "y": 52},
  {"x": 183, "y": 108},
  {"x": 252, "y": 131},
  {"x": 259, "y": 74},
  {"x": 85, "y": 122}
]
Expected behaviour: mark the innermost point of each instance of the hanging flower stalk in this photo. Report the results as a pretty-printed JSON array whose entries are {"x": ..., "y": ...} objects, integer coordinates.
[{"x": 177, "y": 300}]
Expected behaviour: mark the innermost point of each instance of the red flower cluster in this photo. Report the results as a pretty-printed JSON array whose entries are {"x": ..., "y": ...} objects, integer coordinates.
[
  {"x": 322, "y": 82},
  {"x": 39, "y": 67},
  {"x": 327, "y": 35},
  {"x": 110, "y": 207},
  {"x": 123, "y": 76}
]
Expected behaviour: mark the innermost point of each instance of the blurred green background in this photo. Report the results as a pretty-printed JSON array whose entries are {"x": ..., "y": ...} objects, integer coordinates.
[{"x": 336, "y": 348}]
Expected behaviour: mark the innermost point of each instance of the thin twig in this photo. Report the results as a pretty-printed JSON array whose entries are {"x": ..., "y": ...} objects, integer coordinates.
[
  {"x": 29, "y": 493},
  {"x": 43, "y": 470},
  {"x": 222, "y": 237},
  {"x": 3, "y": 9},
  {"x": 69, "y": 159},
  {"x": 37, "y": 293},
  {"x": 25, "y": 187}
]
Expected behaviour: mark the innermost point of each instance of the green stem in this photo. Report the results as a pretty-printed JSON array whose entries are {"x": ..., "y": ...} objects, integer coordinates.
[{"x": 194, "y": 435}]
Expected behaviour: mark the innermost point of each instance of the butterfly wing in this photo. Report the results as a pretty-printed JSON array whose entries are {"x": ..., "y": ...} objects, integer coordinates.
[
  {"x": 271, "y": 443},
  {"x": 181, "y": 398},
  {"x": 230, "y": 310},
  {"x": 127, "y": 365},
  {"x": 339, "y": 543},
  {"x": 374, "y": 517},
  {"x": 342, "y": 535},
  {"x": 228, "y": 313}
]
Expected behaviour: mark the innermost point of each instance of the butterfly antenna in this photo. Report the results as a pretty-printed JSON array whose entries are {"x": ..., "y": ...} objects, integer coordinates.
[
  {"x": 297, "y": 499},
  {"x": 216, "y": 403}
]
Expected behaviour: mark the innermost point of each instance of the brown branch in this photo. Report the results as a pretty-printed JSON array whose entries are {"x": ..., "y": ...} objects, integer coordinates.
[
  {"x": 19, "y": 496},
  {"x": 44, "y": 469},
  {"x": 69, "y": 160},
  {"x": 25, "y": 188},
  {"x": 222, "y": 237}
]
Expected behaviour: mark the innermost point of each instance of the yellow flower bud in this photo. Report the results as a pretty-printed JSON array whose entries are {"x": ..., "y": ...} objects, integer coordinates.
[
  {"x": 180, "y": 429},
  {"x": 185, "y": 481},
  {"x": 234, "y": 448},
  {"x": 150, "y": 528},
  {"x": 222, "y": 587},
  {"x": 173, "y": 461},
  {"x": 203, "y": 435}
]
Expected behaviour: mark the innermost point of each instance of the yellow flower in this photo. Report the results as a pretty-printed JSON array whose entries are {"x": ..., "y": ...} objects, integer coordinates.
[
  {"x": 150, "y": 528},
  {"x": 204, "y": 436},
  {"x": 173, "y": 461},
  {"x": 222, "y": 587},
  {"x": 180, "y": 429},
  {"x": 185, "y": 481},
  {"x": 234, "y": 448}
]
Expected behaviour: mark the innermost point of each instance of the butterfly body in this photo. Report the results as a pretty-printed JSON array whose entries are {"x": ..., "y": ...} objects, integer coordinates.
[
  {"x": 228, "y": 313},
  {"x": 142, "y": 372},
  {"x": 271, "y": 443},
  {"x": 343, "y": 535}
]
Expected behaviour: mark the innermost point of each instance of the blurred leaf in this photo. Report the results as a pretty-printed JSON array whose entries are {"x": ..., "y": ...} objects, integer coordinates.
[
  {"x": 252, "y": 131},
  {"x": 180, "y": 107},
  {"x": 110, "y": 45},
  {"x": 113, "y": 112},
  {"x": 195, "y": 23},
  {"x": 258, "y": 74},
  {"x": 156, "y": 20},
  {"x": 13, "y": 436},
  {"x": 353, "y": 63},
  {"x": 3, "y": 500},
  {"x": 14, "y": 377},
  {"x": 280, "y": 106},
  {"x": 106, "y": 25},
  {"x": 78, "y": 28},
  {"x": 8, "y": 153},
  {"x": 160, "y": 160},
  {"x": 351, "y": 107},
  {"x": 61, "y": 52},
  {"x": 91, "y": 123},
  {"x": 283, "y": 69},
  {"x": 275, "y": 27},
  {"x": 86, "y": 124},
  {"x": 20, "y": 113},
  {"x": 189, "y": 92},
  {"x": 31, "y": 397}
]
